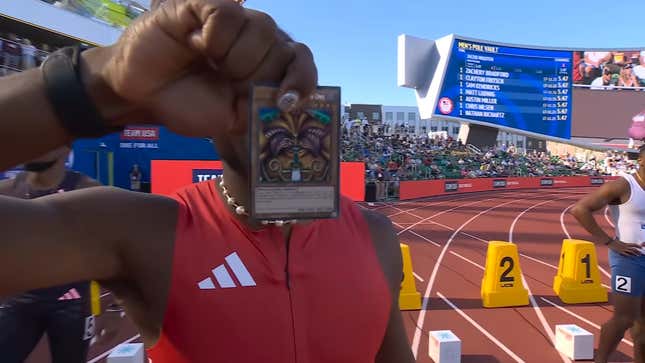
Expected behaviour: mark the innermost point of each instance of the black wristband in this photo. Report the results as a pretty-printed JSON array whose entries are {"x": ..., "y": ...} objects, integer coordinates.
[
  {"x": 71, "y": 102},
  {"x": 610, "y": 241}
]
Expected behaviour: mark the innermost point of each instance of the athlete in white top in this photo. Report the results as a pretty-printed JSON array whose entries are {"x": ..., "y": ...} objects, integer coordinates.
[
  {"x": 629, "y": 217},
  {"x": 626, "y": 198}
]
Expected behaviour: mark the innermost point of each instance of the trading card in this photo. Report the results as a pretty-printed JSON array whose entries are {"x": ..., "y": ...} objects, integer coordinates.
[{"x": 294, "y": 156}]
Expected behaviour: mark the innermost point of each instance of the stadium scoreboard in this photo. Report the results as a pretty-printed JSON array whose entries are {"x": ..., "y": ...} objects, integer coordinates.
[{"x": 521, "y": 88}]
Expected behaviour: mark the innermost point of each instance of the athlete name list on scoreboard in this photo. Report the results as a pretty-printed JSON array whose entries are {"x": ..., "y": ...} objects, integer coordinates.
[{"x": 493, "y": 83}]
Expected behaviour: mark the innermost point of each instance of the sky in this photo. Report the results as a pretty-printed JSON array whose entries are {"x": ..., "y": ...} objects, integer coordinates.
[{"x": 355, "y": 41}]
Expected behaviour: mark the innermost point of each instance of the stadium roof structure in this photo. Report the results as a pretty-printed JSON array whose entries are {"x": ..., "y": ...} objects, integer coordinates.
[{"x": 40, "y": 14}]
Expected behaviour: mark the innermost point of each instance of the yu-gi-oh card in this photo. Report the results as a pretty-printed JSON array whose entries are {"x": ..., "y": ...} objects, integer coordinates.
[{"x": 294, "y": 156}]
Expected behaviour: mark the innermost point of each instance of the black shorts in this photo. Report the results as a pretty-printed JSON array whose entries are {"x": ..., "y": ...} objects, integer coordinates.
[{"x": 67, "y": 324}]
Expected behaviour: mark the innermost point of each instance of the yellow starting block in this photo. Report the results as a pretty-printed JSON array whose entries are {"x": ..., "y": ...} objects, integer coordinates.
[
  {"x": 409, "y": 297},
  {"x": 502, "y": 284},
  {"x": 578, "y": 279},
  {"x": 95, "y": 298}
]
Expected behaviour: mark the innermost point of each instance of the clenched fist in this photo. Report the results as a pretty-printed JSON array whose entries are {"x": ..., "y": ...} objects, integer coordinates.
[{"x": 188, "y": 64}]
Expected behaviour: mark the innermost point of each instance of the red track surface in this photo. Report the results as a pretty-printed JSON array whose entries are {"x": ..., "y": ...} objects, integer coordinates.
[
  {"x": 447, "y": 238},
  {"x": 454, "y": 230}
]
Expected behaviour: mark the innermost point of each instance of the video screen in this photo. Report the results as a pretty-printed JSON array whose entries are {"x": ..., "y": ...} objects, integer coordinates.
[
  {"x": 522, "y": 88},
  {"x": 609, "y": 70}
]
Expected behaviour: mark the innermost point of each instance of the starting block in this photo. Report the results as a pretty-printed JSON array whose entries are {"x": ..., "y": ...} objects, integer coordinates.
[
  {"x": 444, "y": 347},
  {"x": 574, "y": 342},
  {"x": 127, "y": 353},
  {"x": 95, "y": 298},
  {"x": 502, "y": 285},
  {"x": 409, "y": 297},
  {"x": 578, "y": 279}
]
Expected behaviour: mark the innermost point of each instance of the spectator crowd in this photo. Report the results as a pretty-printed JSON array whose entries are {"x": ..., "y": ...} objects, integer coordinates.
[
  {"x": 397, "y": 158},
  {"x": 18, "y": 54},
  {"x": 607, "y": 70}
]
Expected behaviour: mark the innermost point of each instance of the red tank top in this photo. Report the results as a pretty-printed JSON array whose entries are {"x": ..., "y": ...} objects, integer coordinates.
[{"x": 239, "y": 296}]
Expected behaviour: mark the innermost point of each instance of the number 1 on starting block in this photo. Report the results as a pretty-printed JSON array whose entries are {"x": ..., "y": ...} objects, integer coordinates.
[{"x": 578, "y": 278}]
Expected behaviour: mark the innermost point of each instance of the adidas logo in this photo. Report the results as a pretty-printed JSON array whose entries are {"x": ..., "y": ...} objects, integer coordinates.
[
  {"x": 224, "y": 279},
  {"x": 72, "y": 294}
]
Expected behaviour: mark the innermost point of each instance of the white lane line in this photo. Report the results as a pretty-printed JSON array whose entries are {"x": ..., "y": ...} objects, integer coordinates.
[
  {"x": 98, "y": 358},
  {"x": 481, "y": 329},
  {"x": 474, "y": 237},
  {"x": 521, "y": 254},
  {"x": 438, "y": 200},
  {"x": 536, "y": 307},
  {"x": 527, "y": 257},
  {"x": 426, "y": 297},
  {"x": 545, "y": 300},
  {"x": 441, "y": 213},
  {"x": 467, "y": 260},
  {"x": 416, "y": 340},
  {"x": 564, "y": 227},
  {"x": 401, "y": 211},
  {"x": 424, "y": 238},
  {"x": 437, "y": 224},
  {"x": 435, "y": 243},
  {"x": 539, "y": 261},
  {"x": 448, "y": 198},
  {"x": 550, "y": 265},
  {"x": 486, "y": 242},
  {"x": 566, "y": 232},
  {"x": 580, "y": 318},
  {"x": 418, "y": 235},
  {"x": 604, "y": 272}
]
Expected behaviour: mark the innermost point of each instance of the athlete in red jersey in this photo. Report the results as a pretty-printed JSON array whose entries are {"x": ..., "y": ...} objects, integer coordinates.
[{"x": 203, "y": 284}]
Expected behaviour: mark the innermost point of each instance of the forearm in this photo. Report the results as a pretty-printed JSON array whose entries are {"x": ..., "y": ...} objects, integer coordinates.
[
  {"x": 52, "y": 241},
  {"x": 587, "y": 221},
  {"x": 29, "y": 126}
]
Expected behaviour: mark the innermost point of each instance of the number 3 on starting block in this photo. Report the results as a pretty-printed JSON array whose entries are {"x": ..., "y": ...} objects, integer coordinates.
[{"x": 502, "y": 285}]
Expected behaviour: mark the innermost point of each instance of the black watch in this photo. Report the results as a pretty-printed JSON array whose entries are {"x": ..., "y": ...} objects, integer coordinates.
[
  {"x": 610, "y": 241},
  {"x": 71, "y": 103}
]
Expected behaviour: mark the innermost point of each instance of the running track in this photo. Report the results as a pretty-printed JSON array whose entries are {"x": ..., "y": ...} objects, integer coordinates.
[{"x": 447, "y": 238}]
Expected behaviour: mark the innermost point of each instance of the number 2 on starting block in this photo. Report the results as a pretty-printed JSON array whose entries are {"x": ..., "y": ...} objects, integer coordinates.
[{"x": 502, "y": 285}]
